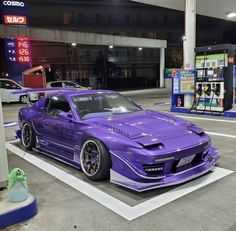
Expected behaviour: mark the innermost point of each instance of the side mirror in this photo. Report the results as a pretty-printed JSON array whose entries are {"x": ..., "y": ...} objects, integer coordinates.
[{"x": 66, "y": 115}]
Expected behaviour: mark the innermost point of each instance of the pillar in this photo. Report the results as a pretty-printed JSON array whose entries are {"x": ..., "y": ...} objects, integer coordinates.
[
  {"x": 189, "y": 42},
  {"x": 162, "y": 67},
  {"x": 3, "y": 152}
]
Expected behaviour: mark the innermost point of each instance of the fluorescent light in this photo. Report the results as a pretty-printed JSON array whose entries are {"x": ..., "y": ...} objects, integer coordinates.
[
  {"x": 140, "y": 48},
  {"x": 73, "y": 44},
  {"x": 231, "y": 14},
  {"x": 110, "y": 46}
]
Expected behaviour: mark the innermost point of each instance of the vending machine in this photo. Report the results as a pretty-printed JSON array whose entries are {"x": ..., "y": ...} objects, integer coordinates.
[{"x": 214, "y": 78}]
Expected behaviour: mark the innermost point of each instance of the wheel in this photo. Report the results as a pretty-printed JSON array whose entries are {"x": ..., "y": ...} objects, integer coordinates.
[
  {"x": 28, "y": 137},
  {"x": 23, "y": 99},
  {"x": 95, "y": 160}
]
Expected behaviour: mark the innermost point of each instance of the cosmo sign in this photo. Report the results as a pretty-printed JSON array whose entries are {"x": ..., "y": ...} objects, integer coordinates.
[
  {"x": 18, "y": 50},
  {"x": 13, "y": 3}
]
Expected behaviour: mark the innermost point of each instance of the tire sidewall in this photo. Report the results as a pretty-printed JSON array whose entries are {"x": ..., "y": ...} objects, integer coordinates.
[
  {"x": 105, "y": 161},
  {"x": 32, "y": 137}
]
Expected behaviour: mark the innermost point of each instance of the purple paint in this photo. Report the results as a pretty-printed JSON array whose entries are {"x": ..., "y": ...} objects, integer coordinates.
[{"x": 148, "y": 149}]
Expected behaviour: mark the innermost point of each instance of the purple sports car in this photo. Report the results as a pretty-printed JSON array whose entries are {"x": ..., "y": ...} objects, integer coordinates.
[{"x": 109, "y": 136}]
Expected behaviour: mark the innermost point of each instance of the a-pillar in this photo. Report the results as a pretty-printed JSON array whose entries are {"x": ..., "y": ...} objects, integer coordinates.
[
  {"x": 3, "y": 152},
  {"x": 189, "y": 42},
  {"x": 162, "y": 67}
]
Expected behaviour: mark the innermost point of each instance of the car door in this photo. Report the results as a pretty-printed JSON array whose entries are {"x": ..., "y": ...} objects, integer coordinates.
[
  {"x": 3, "y": 97},
  {"x": 60, "y": 133},
  {"x": 8, "y": 87}
]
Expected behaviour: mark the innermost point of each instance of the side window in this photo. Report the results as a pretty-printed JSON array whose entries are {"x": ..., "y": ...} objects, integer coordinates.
[
  {"x": 69, "y": 84},
  {"x": 56, "y": 84},
  {"x": 10, "y": 85},
  {"x": 57, "y": 104}
]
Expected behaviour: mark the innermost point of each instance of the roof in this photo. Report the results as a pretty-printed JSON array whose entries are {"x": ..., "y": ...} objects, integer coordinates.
[
  {"x": 210, "y": 8},
  {"x": 60, "y": 90},
  {"x": 87, "y": 92}
]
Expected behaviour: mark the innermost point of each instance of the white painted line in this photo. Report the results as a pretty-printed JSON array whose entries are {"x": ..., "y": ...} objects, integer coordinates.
[
  {"x": 108, "y": 201},
  {"x": 207, "y": 119},
  {"x": 10, "y": 124},
  {"x": 221, "y": 134},
  {"x": 117, "y": 206},
  {"x": 179, "y": 192}
]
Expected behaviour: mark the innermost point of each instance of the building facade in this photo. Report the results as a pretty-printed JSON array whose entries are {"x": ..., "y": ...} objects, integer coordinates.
[{"x": 122, "y": 67}]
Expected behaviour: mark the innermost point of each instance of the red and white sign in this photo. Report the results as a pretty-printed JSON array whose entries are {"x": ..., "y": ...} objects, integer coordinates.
[
  {"x": 15, "y": 19},
  {"x": 23, "y": 50}
]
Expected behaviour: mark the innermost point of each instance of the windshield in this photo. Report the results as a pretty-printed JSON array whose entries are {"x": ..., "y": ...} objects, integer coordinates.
[{"x": 93, "y": 105}]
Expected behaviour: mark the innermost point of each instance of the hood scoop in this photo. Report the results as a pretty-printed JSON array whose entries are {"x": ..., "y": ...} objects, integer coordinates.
[{"x": 112, "y": 128}]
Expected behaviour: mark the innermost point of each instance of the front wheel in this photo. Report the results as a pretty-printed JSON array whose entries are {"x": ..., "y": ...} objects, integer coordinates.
[
  {"x": 95, "y": 160},
  {"x": 28, "y": 137}
]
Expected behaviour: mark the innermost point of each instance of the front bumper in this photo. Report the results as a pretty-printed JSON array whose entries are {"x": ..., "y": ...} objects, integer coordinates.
[
  {"x": 34, "y": 97},
  {"x": 169, "y": 179}
]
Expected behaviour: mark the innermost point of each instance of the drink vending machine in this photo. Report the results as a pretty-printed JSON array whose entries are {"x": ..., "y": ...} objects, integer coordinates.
[{"x": 214, "y": 78}]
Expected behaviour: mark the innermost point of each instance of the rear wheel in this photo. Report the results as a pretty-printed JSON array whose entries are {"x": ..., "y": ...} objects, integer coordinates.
[
  {"x": 23, "y": 99},
  {"x": 95, "y": 160},
  {"x": 28, "y": 137}
]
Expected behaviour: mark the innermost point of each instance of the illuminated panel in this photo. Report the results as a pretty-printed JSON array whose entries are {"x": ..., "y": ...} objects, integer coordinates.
[
  {"x": 23, "y": 50},
  {"x": 11, "y": 49},
  {"x": 15, "y": 20}
]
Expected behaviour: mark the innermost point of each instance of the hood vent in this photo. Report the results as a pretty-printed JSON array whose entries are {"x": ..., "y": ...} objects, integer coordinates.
[
  {"x": 114, "y": 129},
  {"x": 156, "y": 146}
]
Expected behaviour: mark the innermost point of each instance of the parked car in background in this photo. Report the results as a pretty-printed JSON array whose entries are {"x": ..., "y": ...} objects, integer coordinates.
[
  {"x": 7, "y": 86},
  {"x": 66, "y": 83}
]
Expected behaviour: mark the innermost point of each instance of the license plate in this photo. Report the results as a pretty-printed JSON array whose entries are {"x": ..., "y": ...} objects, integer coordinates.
[{"x": 186, "y": 160}]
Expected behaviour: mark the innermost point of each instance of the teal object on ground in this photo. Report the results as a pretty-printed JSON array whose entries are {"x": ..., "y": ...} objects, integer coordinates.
[{"x": 17, "y": 185}]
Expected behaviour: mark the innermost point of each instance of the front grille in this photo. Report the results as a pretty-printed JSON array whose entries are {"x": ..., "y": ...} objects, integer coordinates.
[
  {"x": 154, "y": 169},
  {"x": 198, "y": 159}
]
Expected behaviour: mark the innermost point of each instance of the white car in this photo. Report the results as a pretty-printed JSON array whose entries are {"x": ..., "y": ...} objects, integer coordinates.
[
  {"x": 66, "y": 83},
  {"x": 7, "y": 86}
]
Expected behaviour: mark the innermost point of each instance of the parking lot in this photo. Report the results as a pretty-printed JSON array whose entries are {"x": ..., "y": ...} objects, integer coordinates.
[{"x": 68, "y": 201}]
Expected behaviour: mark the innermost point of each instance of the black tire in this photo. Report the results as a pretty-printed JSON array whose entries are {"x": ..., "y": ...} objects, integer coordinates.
[
  {"x": 28, "y": 137},
  {"x": 97, "y": 171},
  {"x": 23, "y": 99}
]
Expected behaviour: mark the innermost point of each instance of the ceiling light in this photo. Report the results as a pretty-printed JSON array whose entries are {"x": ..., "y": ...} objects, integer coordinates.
[
  {"x": 110, "y": 46},
  {"x": 73, "y": 44},
  {"x": 140, "y": 48},
  {"x": 231, "y": 14}
]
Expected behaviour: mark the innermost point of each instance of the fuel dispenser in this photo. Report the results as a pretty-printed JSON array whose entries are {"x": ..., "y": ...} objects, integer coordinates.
[{"x": 214, "y": 78}]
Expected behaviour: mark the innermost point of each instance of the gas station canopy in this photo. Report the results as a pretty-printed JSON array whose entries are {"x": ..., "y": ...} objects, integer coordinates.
[{"x": 210, "y": 8}]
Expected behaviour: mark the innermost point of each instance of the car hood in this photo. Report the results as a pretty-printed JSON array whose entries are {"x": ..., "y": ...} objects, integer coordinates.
[{"x": 145, "y": 127}]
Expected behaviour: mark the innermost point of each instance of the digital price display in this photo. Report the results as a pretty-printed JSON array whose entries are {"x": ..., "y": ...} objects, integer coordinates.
[
  {"x": 17, "y": 50},
  {"x": 23, "y": 50}
]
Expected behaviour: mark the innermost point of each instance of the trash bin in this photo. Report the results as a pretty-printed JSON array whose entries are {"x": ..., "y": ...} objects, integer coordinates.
[{"x": 17, "y": 185}]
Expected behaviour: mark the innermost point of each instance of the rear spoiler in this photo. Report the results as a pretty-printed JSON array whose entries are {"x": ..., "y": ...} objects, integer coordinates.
[{"x": 42, "y": 90}]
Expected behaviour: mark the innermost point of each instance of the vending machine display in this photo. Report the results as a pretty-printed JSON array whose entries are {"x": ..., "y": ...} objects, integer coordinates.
[
  {"x": 182, "y": 84},
  {"x": 214, "y": 82}
]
